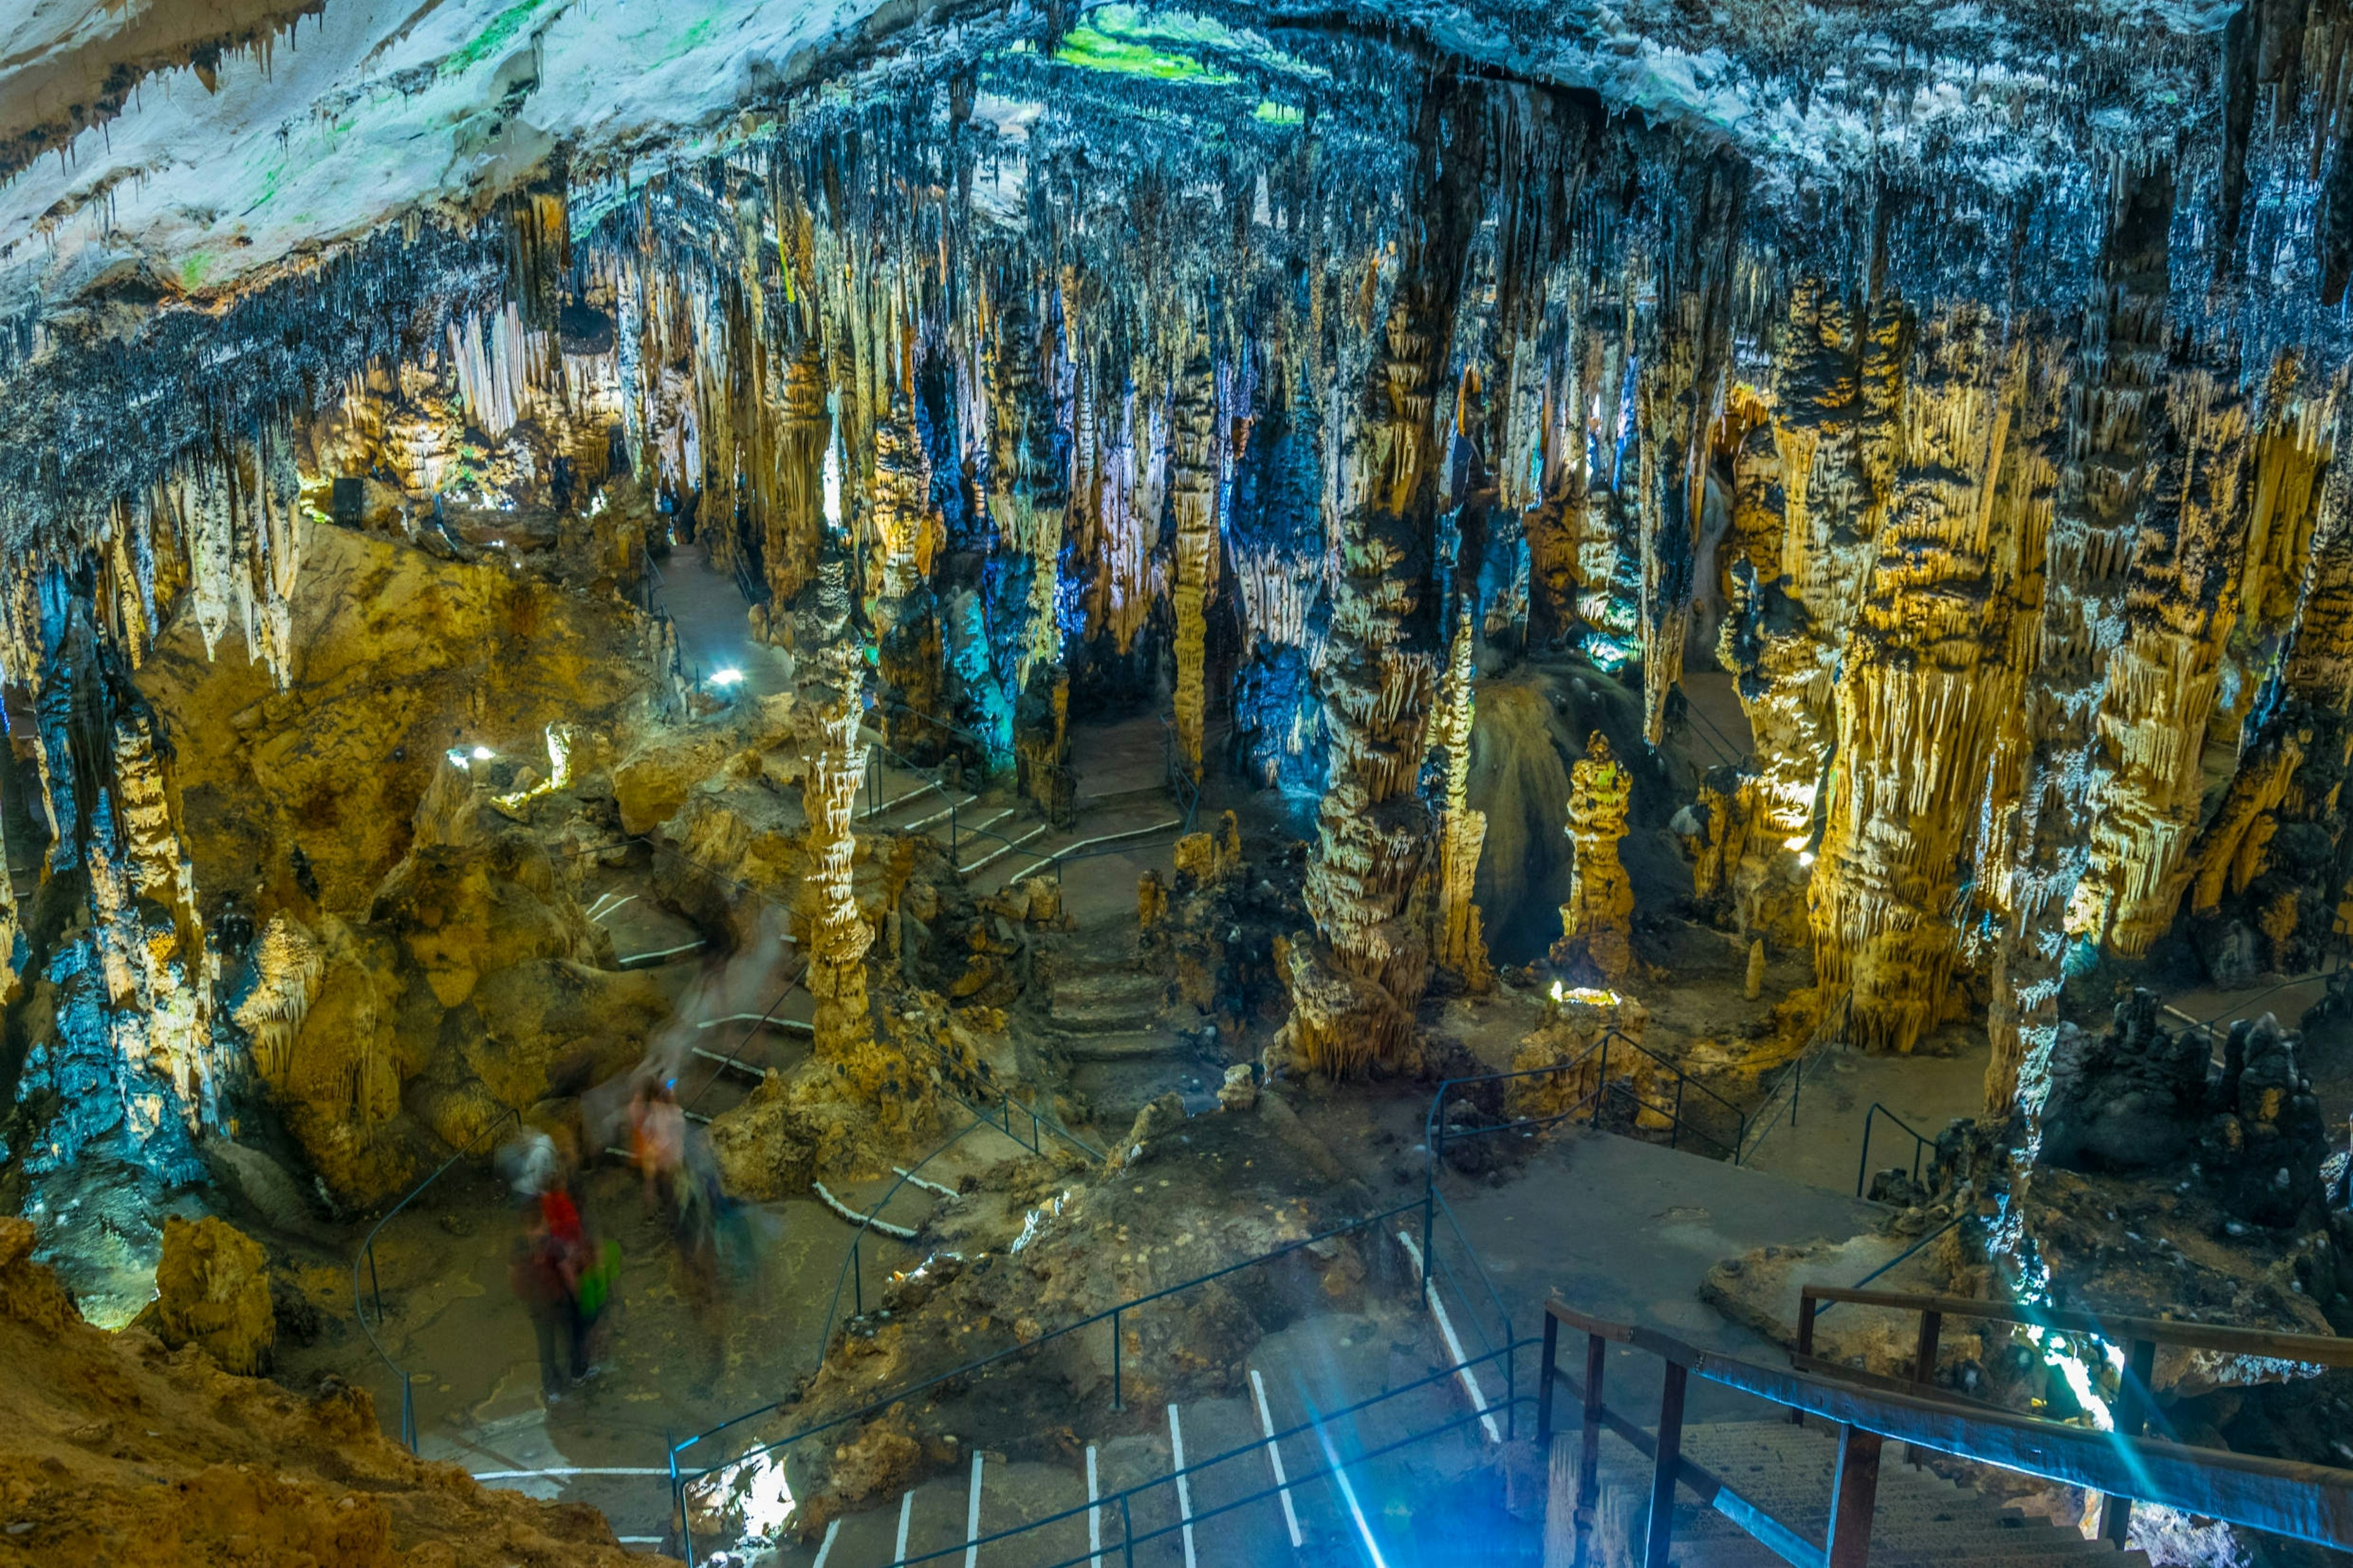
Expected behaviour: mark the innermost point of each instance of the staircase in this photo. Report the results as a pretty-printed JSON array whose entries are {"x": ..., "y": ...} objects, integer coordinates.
[
  {"x": 1920, "y": 1517},
  {"x": 1126, "y": 1038}
]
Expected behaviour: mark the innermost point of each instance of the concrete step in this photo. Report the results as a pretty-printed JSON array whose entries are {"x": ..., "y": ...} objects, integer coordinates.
[{"x": 1134, "y": 1045}]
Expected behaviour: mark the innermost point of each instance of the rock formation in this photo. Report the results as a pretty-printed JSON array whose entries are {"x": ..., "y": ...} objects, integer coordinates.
[
  {"x": 834, "y": 933},
  {"x": 1596, "y": 921},
  {"x": 212, "y": 1288}
]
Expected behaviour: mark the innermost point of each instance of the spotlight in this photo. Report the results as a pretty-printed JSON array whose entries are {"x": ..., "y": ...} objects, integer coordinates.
[
  {"x": 728, "y": 676},
  {"x": 483, "y": 754},
  {"x": 1805, "y": 857}
]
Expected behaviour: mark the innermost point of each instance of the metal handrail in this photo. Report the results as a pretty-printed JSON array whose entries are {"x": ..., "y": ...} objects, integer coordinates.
[
  {"x": 852, "y": 1264},
  {"x": 1111, "y": 1315},
  {"x": 2308, "y": 1502},
  {"x": 1434, "y": 1126},
  {"x": 376, "y": 1289},
  {"x": 750, "y": 1029},
  {"x": 1920, "y": 1145},
  {"x": 1431, "y": 1262},
  {"x": 1767, "y": 1115},
  {"x": 2263, "y": 1344}
]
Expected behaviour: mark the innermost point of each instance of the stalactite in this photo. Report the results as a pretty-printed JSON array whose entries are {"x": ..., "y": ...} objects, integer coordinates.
[
  {"x": 1461, "y": 942},
  {"x": 1595, "y": 922}
]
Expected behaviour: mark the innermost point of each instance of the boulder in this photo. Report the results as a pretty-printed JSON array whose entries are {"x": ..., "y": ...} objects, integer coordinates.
[{"x": 213, "y": 1291}]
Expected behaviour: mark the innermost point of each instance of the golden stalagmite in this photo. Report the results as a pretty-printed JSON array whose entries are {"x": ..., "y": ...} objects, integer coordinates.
[
  {"x": 1193, "y": 498},
  {"x": 794, "y": 512},
  {"x": 158, "y": 970},
  {"x": 1461, "y": 942},
  {"x": 1929, "y": 679},
  {"x": 1566, "y": 1060},
  {"x": 1596, "y": 921},
  {"x": 834, "y": 933}
]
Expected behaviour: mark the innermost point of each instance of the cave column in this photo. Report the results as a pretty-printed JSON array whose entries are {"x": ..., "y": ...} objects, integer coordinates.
[
  {"x": 1927, "y": 684},
  {"x": 836, "y": 935},
  {"x": 1596, "y": 924},
  {"x": 2102, "y": 443},
  {"x": 1355, "y": 985},
  {"x": 2163, "y": 680},
  {"x": 1462, "y": 941},
  {"x": 1193, "y": 499}
]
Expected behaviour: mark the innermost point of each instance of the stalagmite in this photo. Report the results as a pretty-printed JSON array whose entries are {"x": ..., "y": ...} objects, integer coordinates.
[
  {"x": 834, "y": 933},
  {"x": 1462, "y": 945},
  {"x": 1596, "y": 921},
  {"x": 1193, "y": 498}
]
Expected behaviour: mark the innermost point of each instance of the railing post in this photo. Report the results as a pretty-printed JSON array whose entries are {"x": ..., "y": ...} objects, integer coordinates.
[
  {"x": 1853, "y": 1496},
  {"x": 678, "y": 1499},
  {"x": 1862, "y": 1159},
  {"x": 1512, "y": 1384},
  {"x": 1602, "y": 1083},
  {"x": 1668, "y": 1459},
  {"x": 1115, "y": 1356},
  {"x": 1126, "y": 1532},
  {"x": 2132, "y": 1420},
  {"x": 1805, "y": 1345},
  {"x": 374, "y": 1288},
  {"x": 1589, "y": 1454},
  {"x": 407, "y": 1411},
  {"x": 1675, "y": 1131},
  {"x": 858, "y": 1272},
  {"x": 1924, "y": 1359},
  {"x": 1429, "y": 1259}
]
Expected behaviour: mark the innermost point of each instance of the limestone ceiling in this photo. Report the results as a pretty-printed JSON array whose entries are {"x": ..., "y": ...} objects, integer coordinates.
[{"x": 221, "y": 139}]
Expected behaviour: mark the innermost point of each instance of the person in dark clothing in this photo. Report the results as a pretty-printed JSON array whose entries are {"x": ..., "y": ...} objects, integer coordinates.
[{"x": 545, "y": 1274}]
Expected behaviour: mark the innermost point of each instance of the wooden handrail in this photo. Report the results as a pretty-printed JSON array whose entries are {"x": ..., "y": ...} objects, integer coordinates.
[
  {"x": 2308, "y": 1502},
  {"x": 2317, "y": 1350}
]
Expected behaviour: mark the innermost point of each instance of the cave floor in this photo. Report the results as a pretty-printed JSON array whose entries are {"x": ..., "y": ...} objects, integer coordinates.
[
  {"x": 670, "y": 1357},
  {"x": 1823, "y": 1147},
  {"x": 714, "y": 628}
]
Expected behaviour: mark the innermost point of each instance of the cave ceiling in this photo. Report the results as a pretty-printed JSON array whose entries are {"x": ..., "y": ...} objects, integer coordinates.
[{"x": 206, "y": 221}]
